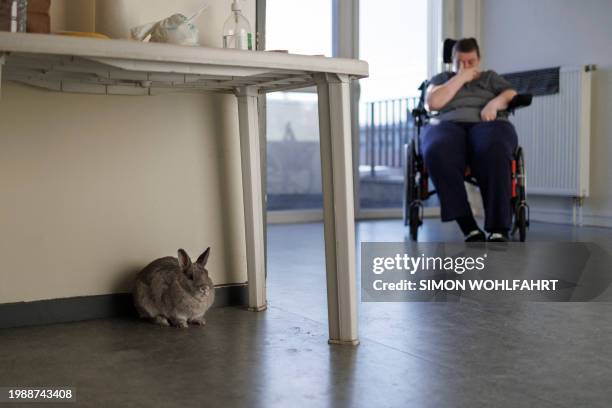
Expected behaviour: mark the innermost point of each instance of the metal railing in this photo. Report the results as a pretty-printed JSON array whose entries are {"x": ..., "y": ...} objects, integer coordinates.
[{"x": 388, "y": 126}]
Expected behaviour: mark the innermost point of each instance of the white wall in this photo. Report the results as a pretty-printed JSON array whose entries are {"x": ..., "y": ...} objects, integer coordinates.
[
  {"x": 527, "y": 34},
  {"x": 94, "y": 187}
]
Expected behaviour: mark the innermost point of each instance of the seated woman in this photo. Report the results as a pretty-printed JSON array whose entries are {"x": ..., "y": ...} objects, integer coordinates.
[{"x": 471, "y": 129}]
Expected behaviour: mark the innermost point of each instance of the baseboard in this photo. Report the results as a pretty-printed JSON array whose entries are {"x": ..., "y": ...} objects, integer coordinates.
[
  {"x": 305, "y": 216},
  {"x": 379, "y": 213},
  {"x": 566, "y": 217},
  {"x": 294, "y": 216},
  {"x": 51, "y": 311},
  {"x": 390, "y": 213},
  {"x": 553, "y": 216},
  {"x": 597, "y": 220}
]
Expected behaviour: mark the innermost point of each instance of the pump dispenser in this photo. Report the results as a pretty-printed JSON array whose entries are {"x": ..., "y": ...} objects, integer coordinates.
[{"x": 237, "y": 32}]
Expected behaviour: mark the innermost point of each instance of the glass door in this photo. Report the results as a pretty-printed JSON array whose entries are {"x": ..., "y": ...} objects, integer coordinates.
[
  {"x": 393, "y": 40},
  {"x": 293, "y": 156}
]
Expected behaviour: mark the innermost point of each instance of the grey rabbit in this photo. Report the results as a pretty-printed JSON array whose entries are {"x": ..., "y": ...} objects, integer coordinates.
[{"x": 175, "y": 291}]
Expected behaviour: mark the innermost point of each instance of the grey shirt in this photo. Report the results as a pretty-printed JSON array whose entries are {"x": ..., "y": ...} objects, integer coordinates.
[{"x": 472, "y": 97}]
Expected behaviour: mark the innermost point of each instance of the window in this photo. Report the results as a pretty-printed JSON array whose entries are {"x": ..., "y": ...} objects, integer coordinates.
[
  {"x": 293, "y": 157},
  {"x": 393, "y": 39}
]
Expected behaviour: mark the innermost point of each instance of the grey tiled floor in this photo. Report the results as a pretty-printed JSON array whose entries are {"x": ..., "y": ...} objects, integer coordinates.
[{"x": 411, "y": 354}]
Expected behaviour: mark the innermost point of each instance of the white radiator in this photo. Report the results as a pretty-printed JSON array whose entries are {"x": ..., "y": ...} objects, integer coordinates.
[{"x": 555, "y": 135}]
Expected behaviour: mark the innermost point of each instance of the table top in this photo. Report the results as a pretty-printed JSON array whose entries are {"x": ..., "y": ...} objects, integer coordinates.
[{"x": 105, "y": 66}]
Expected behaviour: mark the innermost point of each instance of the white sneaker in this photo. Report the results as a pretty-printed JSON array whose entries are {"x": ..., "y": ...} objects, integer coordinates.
[
  {"x": 475, "y": 236},
  {"x": 497, "y": 237}
]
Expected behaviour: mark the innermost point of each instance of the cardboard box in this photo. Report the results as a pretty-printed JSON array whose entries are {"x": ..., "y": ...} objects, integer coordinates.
[
  {"x": 38, "y": 23},
  {"x": 39, "y": 6},
  {"x": 38, "y": 20}
]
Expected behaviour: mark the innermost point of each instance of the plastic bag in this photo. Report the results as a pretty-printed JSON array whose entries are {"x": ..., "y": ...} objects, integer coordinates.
[{"x": 176, "y": 29}]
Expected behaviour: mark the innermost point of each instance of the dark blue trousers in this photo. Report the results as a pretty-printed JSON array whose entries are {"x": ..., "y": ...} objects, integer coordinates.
[{"x": 488, "y": 148}]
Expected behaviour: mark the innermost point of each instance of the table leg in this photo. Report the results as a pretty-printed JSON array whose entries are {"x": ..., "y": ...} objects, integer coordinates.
[
  {"x": 2, "y": 61},
  {"x": 252, "y": 190},
  {"x": 338, "y": 209}
]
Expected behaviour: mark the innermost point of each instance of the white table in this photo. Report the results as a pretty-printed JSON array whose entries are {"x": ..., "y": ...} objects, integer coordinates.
[{"x": 119, "y": 67}]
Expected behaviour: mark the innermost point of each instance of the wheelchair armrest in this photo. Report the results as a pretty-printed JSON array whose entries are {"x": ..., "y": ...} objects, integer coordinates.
[
  {"x": 420, "y": 116},
  {"x": 519, "y": 101},
  {"x": 419, "y": 111}
]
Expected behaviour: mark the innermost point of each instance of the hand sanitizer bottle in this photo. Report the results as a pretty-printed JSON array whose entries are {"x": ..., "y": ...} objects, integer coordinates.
[{"x": 237, "y": 30}]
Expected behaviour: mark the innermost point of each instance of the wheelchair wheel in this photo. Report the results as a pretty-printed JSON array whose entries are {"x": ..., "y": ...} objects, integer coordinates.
[
  {"x": 415, "y": 221},
  {"x": 412, "y": 197},
  {"x": 521, "y": 209},
  {"x": 520, "y": 174},
  {"x": 410, "y": 184},
  {"x": 521, "y": 222}
]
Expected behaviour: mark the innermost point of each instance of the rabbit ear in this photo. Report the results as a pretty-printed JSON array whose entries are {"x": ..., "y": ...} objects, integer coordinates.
[
  {"x": 202, "y": 259},
  {"x": 183, "y": 259}
]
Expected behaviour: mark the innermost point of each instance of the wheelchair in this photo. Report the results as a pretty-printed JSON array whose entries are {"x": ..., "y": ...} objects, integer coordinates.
[{"x": 416, "y": 180}]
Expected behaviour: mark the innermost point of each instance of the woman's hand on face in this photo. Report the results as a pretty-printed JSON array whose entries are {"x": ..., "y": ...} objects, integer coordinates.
[
  {"x": 468, "y": 74},
  {"x": 489, "y": 112}
]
